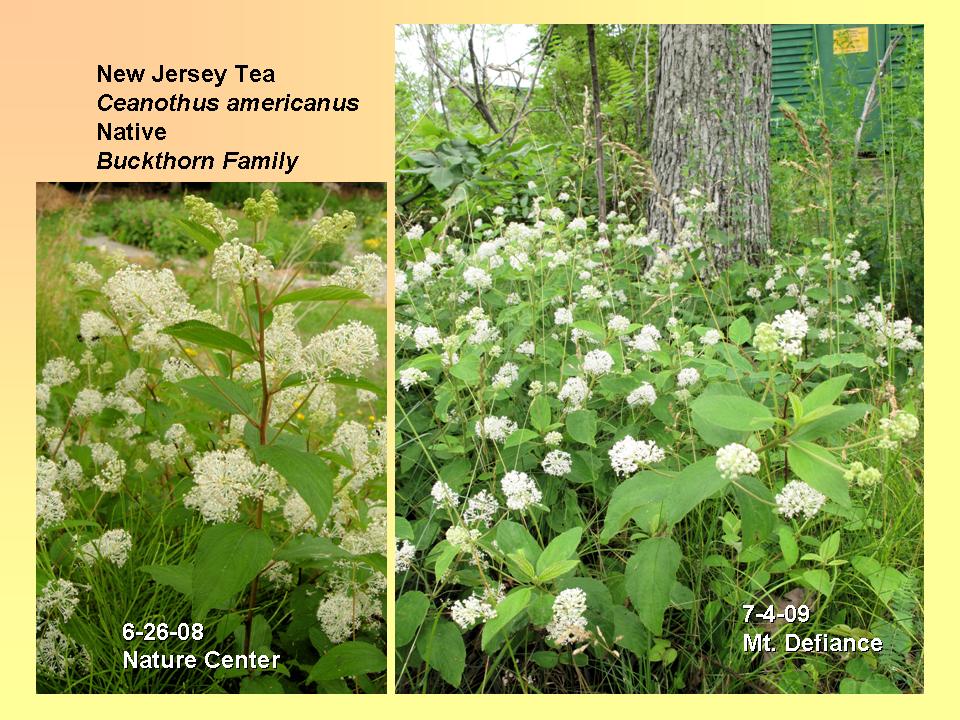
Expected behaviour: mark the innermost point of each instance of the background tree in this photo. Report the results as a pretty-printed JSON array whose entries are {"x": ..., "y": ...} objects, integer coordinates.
[{"x": 711, "y": 128}]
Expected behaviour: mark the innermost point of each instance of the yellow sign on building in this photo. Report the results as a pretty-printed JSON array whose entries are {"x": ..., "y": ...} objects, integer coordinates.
[{"x": 851, "y": 40}]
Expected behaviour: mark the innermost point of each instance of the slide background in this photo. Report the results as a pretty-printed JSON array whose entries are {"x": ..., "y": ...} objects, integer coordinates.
[{"x": 49, "y": 121}]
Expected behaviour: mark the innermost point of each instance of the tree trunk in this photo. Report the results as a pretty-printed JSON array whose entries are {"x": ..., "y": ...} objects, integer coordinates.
[
  {"x": 597, "y": 125},
  {"x": 711, "y": 129}
]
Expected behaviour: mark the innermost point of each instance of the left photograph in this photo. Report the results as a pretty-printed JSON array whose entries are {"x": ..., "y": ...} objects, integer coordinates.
[{"x": 210, "y": 438}]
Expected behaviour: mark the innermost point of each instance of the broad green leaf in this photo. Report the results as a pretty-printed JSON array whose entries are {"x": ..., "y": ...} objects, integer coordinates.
[
  {"x": 203, "y": 236},
  {"x": 650, "y": 575},
  {"x": 306, "y": 473},
  {"x": 358, "y": 383},
  {"x": 562, "y": 547},
  {"x": 756, "y": 510},
  {"x": 307, "y": 549},
  {"x": 788, "y": 546},
  {"x": 228, "y": 557},
  {"x": 179, "y": 577},
  {"x": 653, "y": 500},
  {"x": 441, "y": 647},
  {"x": 885, "y": 581},
  {"x": 507, "y": 609},
  {"x": 740, "y": 331},
  {"x": 829, "y": 547},
  {"x": 520, "y": 436},
  {"x": 582, "y": 426},
  {"x": 592, "y": 328},
  {"x": 819, "y": 469},
  {"x": 411, "y": 609},
  {"x": 223, "y": 394},
  {"x": 819, "y": 580},
  {"x": 207, "y": 335},
  {"x": 630, "y": 632},
  {"x": 349, "y": 659},
  {"x": 321, "y": 294},
  {"x": 540, "y": 413},
  {"x": 829, "y": 424},
  {"x": 261, "y": 685},
  {"x": 513, "y": 537},
  {"x": 467, "y": 368},
  {"x": 825, "y": 393},
  {"x": 556, "y": 569},
  {"x": 733, "y": 412}
]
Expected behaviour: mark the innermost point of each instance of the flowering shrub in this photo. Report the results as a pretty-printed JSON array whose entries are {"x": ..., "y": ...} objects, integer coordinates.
[
  {"x": 608, "y": 445},
  {"x": 193, "y": 467}
]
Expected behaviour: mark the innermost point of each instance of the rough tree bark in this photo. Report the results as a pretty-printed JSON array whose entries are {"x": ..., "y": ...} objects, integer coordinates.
[
  {"x": 597, "y": 124},
  {"x": 711, "y": 128}
]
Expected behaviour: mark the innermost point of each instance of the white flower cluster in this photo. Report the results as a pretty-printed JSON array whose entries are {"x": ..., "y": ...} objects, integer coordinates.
[
  {"x": 628, "y": 455},
  {"x": 223, "y": 479},
  {"x": 574, "y": 393},
  {"x": 113, "y": 546},
  {"x": 410, "y": 377},
  {"x": 235, "y": 262},
  {"x": 520, "y": 490},
  {"x": 495, "y": 428},
  {"x": 404, "y": 556},
  {"x": 734, "y": 460},
  {"x": 476, "y": 608},
  {"x": 557, "y": 463},
  {"x": 643, "y": 395},
  {"x": 597, "y": 362},
  {"x": 797, "y": 498},
  {"x": 568, "y": 624}
]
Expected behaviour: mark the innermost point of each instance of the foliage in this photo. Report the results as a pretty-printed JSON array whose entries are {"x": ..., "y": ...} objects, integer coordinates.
[
  {"x": 607, "y": 447},
  {"x": 150, "y": 224},
  {"x": 195, "y": 471}
]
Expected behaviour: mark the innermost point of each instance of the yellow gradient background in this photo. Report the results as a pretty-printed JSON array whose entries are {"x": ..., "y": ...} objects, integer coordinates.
[{"x": 50, "y": 52}]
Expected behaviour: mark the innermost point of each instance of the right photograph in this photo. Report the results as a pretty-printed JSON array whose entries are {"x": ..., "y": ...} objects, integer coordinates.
[{"x": 659, "y": 359}]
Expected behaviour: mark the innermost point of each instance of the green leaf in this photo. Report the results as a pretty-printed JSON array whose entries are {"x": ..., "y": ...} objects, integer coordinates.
[
  {"x": 733, "y": 412},
  {"x": 203, "y": 236},
  {"x": 756, "y": 510},
  {"x": 228, "y": 557},
  {"x": 788, "y": 546},
  {"x": 441, "y": 647},
  {"x": 825, "y": 393},
  {"x": 207, "y": 335},
  {"x": 223, "y": 394},
  {"x": 819, "y": 580},
  {"x": 520, "y": 436},
  {"x": 885, "y": 581},
  {"x": 653, "y": 500},
  {"x": 357, "y": 383},
  {"x": 513, "y": 537},
  {"x": 555, "y": 570},
  {"x": 650, "y": 575},
  {"x": 348, "y": 659},
  {"x": 321, "y": 294},
  {"x": 512, "y": 605},
  {"x": 831, "y": 423},
  {"x": 410, "y": 611},
  {"x": 819, "y": 469},
  {"x": 306, "y": 549},
  {"x": 739, "y": 331},
  {"x": 562, "y": 547},
  {"x": 629, "y": 631},
  {"x": 179, "y": 577},
  {"x": 829, "y": 547},
  {"x": 540, "y": 413},
  {"x": 592, "y": 328},
  {"x": 306, "y": 473},
  {"x": 582, "y": 426},
  {"x": 467, "y": 368}
]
